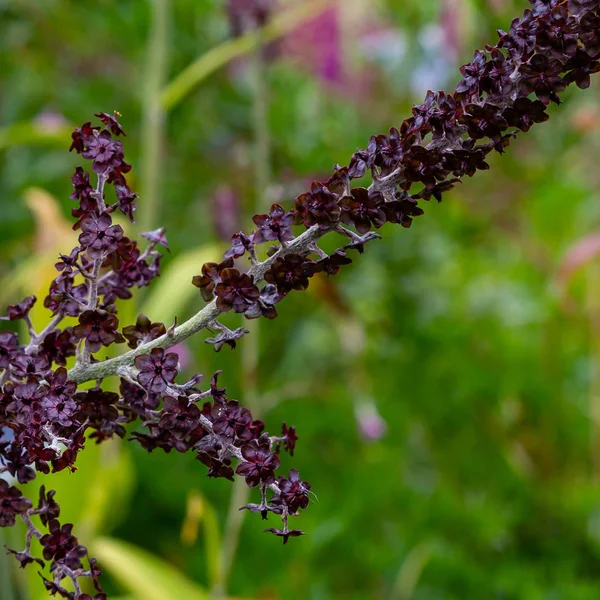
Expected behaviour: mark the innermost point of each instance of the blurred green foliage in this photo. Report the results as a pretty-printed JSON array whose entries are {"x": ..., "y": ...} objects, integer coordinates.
[{"x": 473, "y": 335}]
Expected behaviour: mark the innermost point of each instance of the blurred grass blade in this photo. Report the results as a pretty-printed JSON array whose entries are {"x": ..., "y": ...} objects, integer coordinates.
[
  {"x": 144, "y": 576},
  {"x": 52, "y": 230},
  {"x": 410, "y": 571},
  {"x": 200, "y": 511},
  {"x": 153, "y": 114},
  {"x": 173, "y": 290},
  {"x": 7, "y": 591},
  {"x": 53, "y": 234},
  {"x": 224, "y": 53}
]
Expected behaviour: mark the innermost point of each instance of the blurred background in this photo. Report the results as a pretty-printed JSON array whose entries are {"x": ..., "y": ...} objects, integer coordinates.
[{"x": 445, "y": 387}]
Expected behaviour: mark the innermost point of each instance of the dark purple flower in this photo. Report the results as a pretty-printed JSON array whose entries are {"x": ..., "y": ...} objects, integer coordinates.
[
  {"x": 8, "y": 345},
  {"x": 20, "y": 310},
  {"x": 363, "y": 209},
  {"x": 211, "y": 276},
  {"x": 231, "y": 421},
  {"x": 81, "y": 184},
  {"x": 582, "y": 7},
  {"x": 99, "y": 237},
  {"x": 12, "y": 503},
  {"x": 420, "y": 122},
  {"x": 105, "y": 152},
  {"x": 580, "y": 66},
  {"x": 180, "y": 416},
  {"x": 157, "y": 237},
  {"x": 339, "y": 182},
  {"x": 156, "y": 370},
  {"x": 524, "y": 113},
  {"x": 126, "y": 200},
  {"x": 359, "y": 163},
  {"x": 58, "y": 403},
  {"x": 81, "y": 136},
  {"x": 64, "y": 297},
  {"x": 484, "y": 121},
  {"x": 542, "y": 76},
  {"x": 97, "y": 408},
  {"x": 240, "y": 243},
  {"x": 289, "y": 438},
  {"x": 318, "y": 207},
  {"x": 331, "y": 264},
  {"x": 228, "y": 337},
  {"x": 559, "y": 32},
  {"x": 293, "y": 492},
  {"x": 497, "y": 73},
  {"x": 26, "y": 403},
  {"x": 422, "y": 164},
  {"x": 111, "y": 122},
  {"x": 59, "y": 345},
  {"x": 26, "y": 559},
  {"x": 259, "y": 463},
  {"x": 48, "y": 507},
  {"x": 59, "y": 542},
  {"x": 521, "y": 36},
  {"x": 54, "y": 588},
  {"x": 98, "y": 328},
  {"x": 472, "y": 75},
  {"x": 401, "y": 211},
  {"x": 67, "y": 264},
  {"x": 23, "y": 364},
  {"x": 276, "y": 225},
  {"x": 209, "y": 454},
  {"x": 285, "y": 533},
  {"x": 137, "y": 399},
  {"x": 543, "y": 7},
  {"x": 590, "y": 31},
  {"x": 143, "y": 331},
  {"x": 290, "y": 272},
  {"x": 116, "y": 174},
  {"x": 388, "y": 150},
  {"x": 18, "y": 463},
  {"x": 236, "y": 291}
]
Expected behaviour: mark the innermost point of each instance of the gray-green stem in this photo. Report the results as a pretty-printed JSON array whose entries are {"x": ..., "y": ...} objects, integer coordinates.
[{"x": 201, "y": 320}]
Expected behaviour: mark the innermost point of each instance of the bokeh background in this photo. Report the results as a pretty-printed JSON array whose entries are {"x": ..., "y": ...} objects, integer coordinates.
[{"x": 445, "y": 387}]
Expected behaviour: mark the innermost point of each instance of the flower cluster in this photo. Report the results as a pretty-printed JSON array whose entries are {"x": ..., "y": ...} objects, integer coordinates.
[{"x": 45, "y": 420}]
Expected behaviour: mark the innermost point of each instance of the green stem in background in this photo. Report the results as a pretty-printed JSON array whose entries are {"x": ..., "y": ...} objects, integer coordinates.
[
  {"x": 260, "y": 115},
  {"x": 7, "y": 591},
  {"x": 250, "y": 350},
  {"x": 224, "y": 53},
  {"x": 593, "y": 310},
  {"x": 153, "y": 114}
]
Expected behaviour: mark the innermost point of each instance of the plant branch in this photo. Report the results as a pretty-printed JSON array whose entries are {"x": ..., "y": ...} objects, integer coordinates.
[{"x": 201, "y": 320}]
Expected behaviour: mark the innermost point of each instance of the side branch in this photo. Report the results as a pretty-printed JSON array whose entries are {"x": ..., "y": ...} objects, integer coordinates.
[{"x": 201, "y": 320}]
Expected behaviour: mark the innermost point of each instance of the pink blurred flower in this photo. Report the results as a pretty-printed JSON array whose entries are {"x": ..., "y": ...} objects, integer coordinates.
[
  {"x": 371, "y": 425},
  {"x": 184, "y": 354}
]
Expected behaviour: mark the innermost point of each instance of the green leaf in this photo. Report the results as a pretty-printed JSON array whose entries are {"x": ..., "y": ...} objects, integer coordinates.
[
  {"x": 144, "y": 576},
  {"x": 33, "y": 134},
  {"x": 410, "y": 571},
  {"x": 200, "y": 511},
  {"x": 172, "y": 292}
]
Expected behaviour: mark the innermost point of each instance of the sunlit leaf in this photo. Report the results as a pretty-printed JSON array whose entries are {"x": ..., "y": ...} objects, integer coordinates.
[
  {"x": 144, "y": 576},
  {"x": 173, "y": 291}
]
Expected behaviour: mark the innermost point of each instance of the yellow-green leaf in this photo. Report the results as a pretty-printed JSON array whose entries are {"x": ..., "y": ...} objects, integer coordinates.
[
  {"x": 174, "y": 290},
  {"x": 144, "y": 576}
]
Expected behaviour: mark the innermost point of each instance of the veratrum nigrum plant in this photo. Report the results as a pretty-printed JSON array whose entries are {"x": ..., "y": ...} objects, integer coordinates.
[{"x": 46, "y": 419}]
